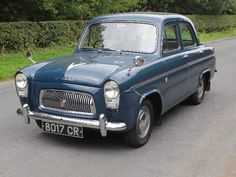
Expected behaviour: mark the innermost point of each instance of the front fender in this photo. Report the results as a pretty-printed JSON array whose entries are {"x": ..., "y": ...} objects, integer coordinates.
[
  {"x": 130, "y": 104},
  {"x": 149, "y": 93}
]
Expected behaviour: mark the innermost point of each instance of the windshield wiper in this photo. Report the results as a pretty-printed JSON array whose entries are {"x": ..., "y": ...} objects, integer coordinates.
[
  {"x": 100, "y": 49},
  {"x": 108, "y": 49},
  {"x": 87, "y": 48}
]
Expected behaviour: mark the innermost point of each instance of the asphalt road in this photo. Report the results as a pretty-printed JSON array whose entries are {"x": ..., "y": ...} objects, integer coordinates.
[{"x": 193, "y": 141}]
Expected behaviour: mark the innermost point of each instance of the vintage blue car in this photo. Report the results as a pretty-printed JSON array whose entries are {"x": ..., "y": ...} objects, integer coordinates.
[{"x": 127, "y": 70}]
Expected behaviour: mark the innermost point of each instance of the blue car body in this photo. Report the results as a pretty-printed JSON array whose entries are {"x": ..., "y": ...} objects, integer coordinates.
[{"x": 165, "y": 78}]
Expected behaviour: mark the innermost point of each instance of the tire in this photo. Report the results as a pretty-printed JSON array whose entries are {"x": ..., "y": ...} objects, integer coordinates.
[
  {"x": 198, "y": 96},
  {"x": 140, "y": 133},
  {"x": 39, "y": 123}
]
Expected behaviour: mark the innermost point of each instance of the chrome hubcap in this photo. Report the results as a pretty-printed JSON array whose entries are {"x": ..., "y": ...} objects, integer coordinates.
[
  {"x": 143, "y": 123},
  {"x": 200, "y": 90}
]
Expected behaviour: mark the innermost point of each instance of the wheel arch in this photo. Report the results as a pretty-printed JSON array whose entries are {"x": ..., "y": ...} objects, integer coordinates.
[
  {"x": 207, "y": 75},
  {"x": 155, "y": 97}
]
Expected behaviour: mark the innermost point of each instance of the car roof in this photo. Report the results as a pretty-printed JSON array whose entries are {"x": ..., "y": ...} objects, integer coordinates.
[{"x": 152, "y": 17}]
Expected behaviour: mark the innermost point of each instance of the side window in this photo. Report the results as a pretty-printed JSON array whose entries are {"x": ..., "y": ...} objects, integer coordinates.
[
  {"x": 170, "y": 41},
  {"x": 187, "y": 36}
]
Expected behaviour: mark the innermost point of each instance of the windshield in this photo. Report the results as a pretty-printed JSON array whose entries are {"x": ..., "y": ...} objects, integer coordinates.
[{"x": 130, "y": 37}]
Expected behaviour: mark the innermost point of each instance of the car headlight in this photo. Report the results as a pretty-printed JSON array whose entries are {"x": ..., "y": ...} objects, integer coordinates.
[
  {"x": 112, "y": 94},
  {"x": 21, "y": 84}
]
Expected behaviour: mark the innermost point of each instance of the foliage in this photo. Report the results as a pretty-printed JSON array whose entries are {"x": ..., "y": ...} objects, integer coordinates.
[
  {"x": 213, "y": 23},
  {"x": 25, "y": 35},
  {"x": 34, "y": 10},
  {"x": 200, "y": 7},
  {"x": 11, "y": 62},
  {"x": 217, "y": 35},
  {"x": 31, "y": 35},
  {"x": 44, "y": 10}
]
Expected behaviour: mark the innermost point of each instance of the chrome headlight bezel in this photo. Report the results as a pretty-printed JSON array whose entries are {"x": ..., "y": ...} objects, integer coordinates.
[
  {"x": 21, "y": 82},
  {"x": 112, "y": 94}
]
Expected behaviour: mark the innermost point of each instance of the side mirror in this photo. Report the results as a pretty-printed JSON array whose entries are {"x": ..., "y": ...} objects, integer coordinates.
[
  {"x": 29, "y": 56},
  {"x": 138, "y": 61}
]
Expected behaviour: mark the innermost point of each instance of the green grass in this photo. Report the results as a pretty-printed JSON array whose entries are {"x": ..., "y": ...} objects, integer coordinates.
[
  {"x": 11, "y": 62},
  {"x": 216, "y": 35}
]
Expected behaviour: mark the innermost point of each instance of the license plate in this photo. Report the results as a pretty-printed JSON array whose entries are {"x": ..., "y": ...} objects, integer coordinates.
[{"x": 61, "y": 129}]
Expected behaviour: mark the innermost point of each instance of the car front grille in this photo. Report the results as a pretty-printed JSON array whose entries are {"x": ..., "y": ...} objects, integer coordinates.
[{"x": 67, "y": 101}]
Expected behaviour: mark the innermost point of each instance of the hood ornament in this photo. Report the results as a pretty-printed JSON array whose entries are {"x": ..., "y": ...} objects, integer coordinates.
[{"x": 72, "y": 65}]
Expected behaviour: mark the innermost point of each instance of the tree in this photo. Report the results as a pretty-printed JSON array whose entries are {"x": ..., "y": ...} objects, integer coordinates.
[
  {"x": 13, "y": 10},
  {"x": 37, "y": 10},
  {"x": 202, "y": 7}
]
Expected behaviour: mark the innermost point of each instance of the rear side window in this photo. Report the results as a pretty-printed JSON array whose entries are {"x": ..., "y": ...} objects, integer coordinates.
[
  {"x": 170, "y": 41},
  {"x": 187, "y": 35}
]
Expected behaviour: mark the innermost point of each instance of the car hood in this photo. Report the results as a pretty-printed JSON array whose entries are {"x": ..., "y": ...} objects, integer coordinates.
[{"x": 83, "y": 69}]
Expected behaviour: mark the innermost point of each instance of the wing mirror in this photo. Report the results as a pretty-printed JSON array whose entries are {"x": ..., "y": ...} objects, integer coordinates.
[
  {"x": 29, "y": 56},
  {"x": 138, "y": 61}
]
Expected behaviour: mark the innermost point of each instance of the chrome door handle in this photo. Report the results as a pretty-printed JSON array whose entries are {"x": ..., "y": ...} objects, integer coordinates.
[
  {"x": 201, "y": 51},
  {"x": 185, "y": 56}
]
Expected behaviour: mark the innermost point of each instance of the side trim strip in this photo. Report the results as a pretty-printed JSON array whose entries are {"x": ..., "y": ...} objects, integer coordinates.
[{"x": 171, "y": 71}]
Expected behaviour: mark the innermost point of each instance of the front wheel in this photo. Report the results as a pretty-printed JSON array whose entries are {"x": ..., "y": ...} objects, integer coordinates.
[
  {"x": 140, "y": 133},
  {"x": 198, "y": 96}
]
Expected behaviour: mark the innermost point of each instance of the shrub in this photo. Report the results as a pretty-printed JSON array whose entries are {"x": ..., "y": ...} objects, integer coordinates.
[
  {"x": 213, "y": 23},
  {"x": 26, "y": 35},
  {"x": 31, "y": 35}
]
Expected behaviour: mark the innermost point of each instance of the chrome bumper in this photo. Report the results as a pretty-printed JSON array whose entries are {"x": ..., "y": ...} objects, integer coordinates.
[{"x": 102, "y": 124}]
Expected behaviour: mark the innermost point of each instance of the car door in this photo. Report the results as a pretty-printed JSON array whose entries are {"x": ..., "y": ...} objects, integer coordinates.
[
  {"x": 176, "y": 62},
  {"x": 190, "y": 48}
]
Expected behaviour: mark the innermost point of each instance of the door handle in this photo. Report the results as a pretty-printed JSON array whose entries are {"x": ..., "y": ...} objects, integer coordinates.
[
  {"x": 201, "y": 51},
  {"x": 185, "y": 56}
]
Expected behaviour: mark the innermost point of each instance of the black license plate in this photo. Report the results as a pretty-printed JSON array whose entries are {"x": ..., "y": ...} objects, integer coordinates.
[{"x": 61, "y": 129}]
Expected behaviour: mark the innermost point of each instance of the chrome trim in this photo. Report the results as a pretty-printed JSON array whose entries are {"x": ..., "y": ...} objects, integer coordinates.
[
  {"x": 102, "y": 124},
  {"x": 84, "y": 98},
  {"x": 143, "y": 122},
  {"x": 204, "y": 72},
  {"x": 124, "y": 21},
  {"x": 107, "y": 99},
  {"x": 24, "y": 113},
  {"x": 143, "y": 96},
  {"x": 22, "y": 90},
  {"x": 167, "y": 73},
  {"x": 25, "y": 89}
]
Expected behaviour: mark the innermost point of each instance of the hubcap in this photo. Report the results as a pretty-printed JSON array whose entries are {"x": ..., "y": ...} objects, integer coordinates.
[
  {"x": 143, "y": 122},
  {"x": 200, "y": 90}
]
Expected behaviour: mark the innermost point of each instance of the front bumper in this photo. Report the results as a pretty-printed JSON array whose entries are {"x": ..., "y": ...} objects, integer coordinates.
[{"x": 102, "y": 124}]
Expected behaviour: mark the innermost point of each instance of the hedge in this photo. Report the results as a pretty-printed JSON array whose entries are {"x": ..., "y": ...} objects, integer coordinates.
[
  {"x": 31, "y": 35},
  {"x": 213, "y": 23}
]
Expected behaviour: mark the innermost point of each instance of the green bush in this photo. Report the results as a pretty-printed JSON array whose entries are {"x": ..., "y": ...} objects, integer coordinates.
[
  {"x": 213, "y": 23},
  {"x": 31, "y": 35}
]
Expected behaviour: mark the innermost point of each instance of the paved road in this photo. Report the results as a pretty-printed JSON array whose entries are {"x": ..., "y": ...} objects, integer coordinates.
[{"x": 194, "y": 141}]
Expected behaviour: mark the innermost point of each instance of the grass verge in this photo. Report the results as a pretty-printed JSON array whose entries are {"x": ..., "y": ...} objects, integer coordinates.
[
  {"x": 11, "y": 62},
  {"x": 204, "y": 37}
]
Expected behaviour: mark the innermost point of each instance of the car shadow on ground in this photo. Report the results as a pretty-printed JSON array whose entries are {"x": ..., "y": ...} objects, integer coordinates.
[
  {"x": 91, "y": 139},
  {"x": 173, "y": 113},
  {"x": 113, "y": 140}
]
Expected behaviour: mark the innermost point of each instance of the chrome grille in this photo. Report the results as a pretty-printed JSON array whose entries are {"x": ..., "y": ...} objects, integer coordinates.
[{"x": 67, "y": 101}]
